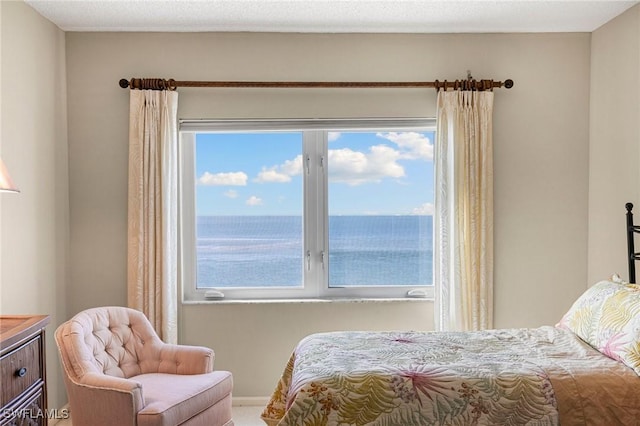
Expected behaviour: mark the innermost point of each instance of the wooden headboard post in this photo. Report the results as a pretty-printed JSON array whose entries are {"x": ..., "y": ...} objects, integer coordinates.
[{"x": 632, "y": 256}]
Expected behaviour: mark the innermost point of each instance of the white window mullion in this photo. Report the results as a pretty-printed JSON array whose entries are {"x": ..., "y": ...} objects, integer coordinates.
[
  {"x": 313, "y": 207},
  {"x": 323, "y": 209}
]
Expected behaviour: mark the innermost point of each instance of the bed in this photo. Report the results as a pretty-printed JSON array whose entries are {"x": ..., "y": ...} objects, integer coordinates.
[{"x": 583, "y": 371}]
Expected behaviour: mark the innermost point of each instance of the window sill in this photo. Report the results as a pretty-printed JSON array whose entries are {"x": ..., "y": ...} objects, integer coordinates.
[{"x": 299, "y": 301}]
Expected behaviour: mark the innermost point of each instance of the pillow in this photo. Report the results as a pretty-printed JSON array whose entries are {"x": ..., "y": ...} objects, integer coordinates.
[{"x": 607, "y": 317}]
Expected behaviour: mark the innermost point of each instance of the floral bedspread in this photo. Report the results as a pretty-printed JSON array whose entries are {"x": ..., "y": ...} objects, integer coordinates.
[{"x": 496, "y": 377}]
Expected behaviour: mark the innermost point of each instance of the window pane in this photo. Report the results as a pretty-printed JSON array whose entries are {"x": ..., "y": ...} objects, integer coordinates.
[
  {"x": 249, "y": 210},
  {"x": 380, "y": 209}
]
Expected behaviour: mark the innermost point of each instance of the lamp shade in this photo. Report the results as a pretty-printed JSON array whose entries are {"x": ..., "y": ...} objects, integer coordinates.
[{"x": 6, "y": 184}]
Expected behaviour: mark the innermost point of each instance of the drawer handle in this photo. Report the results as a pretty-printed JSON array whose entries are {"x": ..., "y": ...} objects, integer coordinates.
[{"x": 21, "y": 372}]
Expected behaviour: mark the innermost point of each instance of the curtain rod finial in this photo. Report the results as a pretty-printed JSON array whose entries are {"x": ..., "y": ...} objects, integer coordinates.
[
  {"x": 508, "y": 83},
  {"x": 124, "y": 83}
]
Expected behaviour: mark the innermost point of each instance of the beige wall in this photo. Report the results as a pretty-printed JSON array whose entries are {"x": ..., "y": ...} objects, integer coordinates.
[
  {"x": 614, "y": 177},
  {"x": 34, "y": 228},
  {"x": 541, "y": 164}
]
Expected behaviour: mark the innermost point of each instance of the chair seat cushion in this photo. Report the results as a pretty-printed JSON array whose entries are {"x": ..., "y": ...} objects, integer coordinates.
[{"x": 171, "y": 399}]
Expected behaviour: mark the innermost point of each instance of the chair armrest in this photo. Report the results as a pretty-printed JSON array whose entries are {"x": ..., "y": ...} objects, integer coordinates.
[
  {"x": 184, "y": 359},
  {"x": 100, "y": 400},
  {"x": 105, "y": 382}
]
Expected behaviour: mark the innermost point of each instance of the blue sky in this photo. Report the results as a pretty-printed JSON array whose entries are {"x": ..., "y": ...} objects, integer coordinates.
[{"x": 370, "y": 173}]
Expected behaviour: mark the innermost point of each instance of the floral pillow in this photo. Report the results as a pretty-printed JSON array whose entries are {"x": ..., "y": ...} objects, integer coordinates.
[{"x": 607, "y": 316}]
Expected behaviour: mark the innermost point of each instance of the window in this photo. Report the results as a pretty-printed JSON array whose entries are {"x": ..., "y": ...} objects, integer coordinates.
[{"x": 306, "y": 208}]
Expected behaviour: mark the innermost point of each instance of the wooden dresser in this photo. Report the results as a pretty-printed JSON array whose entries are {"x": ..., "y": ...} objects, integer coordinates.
[{"x": 23, "y": 386}]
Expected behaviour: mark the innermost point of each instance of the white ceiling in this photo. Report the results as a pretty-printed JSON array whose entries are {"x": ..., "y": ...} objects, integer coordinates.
[{"x": 329, "y": 16}]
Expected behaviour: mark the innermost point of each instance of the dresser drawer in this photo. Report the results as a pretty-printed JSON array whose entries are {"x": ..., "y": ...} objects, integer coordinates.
[
  {"x": 28, "y": 411},
  {"x": 20, "y": 369}
]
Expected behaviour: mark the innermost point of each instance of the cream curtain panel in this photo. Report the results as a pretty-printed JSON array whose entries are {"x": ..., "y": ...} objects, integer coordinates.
[
  {"x": 463, "y": 259},
  {"x": 152, "y": 217}
]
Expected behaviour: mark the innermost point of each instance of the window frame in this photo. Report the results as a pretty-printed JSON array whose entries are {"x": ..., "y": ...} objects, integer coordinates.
[{"x": 315, "y": 209}]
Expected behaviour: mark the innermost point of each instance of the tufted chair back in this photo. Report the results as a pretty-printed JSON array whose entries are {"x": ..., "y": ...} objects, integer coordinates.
[{"x": 115, "y": 341}]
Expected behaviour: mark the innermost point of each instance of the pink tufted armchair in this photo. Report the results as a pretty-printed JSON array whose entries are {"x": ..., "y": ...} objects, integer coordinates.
[{"x": 118, "y": 372}]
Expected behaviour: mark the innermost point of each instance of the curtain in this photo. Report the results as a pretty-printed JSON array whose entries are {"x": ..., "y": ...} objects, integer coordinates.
[
  {"x": 152, "y": 209},
  {"x": 463, "y": 260}
]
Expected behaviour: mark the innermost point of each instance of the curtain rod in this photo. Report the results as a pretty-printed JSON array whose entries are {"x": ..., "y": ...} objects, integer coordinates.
[{"x": 171, "y": 84}]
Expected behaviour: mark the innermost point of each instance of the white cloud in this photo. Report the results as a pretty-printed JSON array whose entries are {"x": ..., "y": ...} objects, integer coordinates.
[
  {"x": 254, "y": 201},
  {"x": 231, "y": 194},
  {"x": 223, "y": 179},
  {"x": 281, "y": 173},
  {"x": 412, "y": 145},
  {"x": 425, "y": 209},
  {"x": 355, "y": 167},
  {"x": 292, "y": 167},
  {"x": 272, "y": 175}
]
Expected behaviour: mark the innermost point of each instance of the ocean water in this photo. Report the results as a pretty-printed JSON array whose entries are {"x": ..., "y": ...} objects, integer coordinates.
[{"x": 250, "y": 251}]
